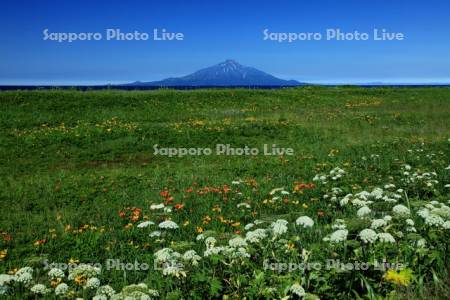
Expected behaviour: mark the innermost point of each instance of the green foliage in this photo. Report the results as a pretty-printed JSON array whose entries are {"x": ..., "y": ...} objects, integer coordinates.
[{"x": 71, "y": 162}]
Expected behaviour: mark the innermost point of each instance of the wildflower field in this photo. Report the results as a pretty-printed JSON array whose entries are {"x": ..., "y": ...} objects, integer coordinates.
[{"x": 360, "y": 210}]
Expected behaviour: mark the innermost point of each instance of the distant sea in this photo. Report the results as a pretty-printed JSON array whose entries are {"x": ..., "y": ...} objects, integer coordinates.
[{"x": 131, "y": 88}]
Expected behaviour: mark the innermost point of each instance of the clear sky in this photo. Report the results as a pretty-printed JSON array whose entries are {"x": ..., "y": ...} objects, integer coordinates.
[{"x": 218, "y": 30}]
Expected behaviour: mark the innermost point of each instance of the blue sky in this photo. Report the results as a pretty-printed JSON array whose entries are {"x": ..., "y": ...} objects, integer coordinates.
[{"x": 219, "y": 30}]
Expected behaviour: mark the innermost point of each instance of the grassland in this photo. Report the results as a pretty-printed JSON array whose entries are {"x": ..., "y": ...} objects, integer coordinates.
[{"x": 78, "y": 174}]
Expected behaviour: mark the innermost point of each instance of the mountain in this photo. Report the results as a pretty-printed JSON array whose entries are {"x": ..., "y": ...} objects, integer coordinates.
[{"x": 227, "y": 73}]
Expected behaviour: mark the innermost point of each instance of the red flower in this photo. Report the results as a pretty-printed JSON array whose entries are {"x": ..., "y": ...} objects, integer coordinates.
[{"x": 165, "y": 193}]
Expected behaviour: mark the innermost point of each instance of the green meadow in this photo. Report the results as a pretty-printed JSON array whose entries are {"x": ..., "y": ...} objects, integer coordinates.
[{"x": 81, "y": 184}]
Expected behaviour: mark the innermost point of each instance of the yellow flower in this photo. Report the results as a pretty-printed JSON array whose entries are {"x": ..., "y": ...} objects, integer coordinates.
[
  {"x": 54, "y": 283},
  {"x": 399, "y": 278},
  {"x": 305, "y": 205},
  {"x": 3, "y": 254},
  {"x": 12, "y": 271},
  {"x": 206, "y": 220},
  {"x": 80, "y": 280},
  {"x": 73, "y": 261},
  {"x": 199, "y": 229}
]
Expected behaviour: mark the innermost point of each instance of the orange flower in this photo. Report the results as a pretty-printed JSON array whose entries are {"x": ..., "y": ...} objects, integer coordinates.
[
  {"x": 80, "y": 280},
  {"x": 302, "y": 186},
  {"x": 199, "y": 229},
  {"x": 226, "y": 189},
  {"x": 179, "y": 206}
]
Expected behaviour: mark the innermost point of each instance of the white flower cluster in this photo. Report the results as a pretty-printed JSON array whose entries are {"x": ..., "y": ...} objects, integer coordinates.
[
  {"x": 256, "y": 236},
  {"x": 105, "y": 290},
  {"x": 157, "y": 206},
  {"x": 84, "y": 270},
  {"x": 436, "y": 214},
  {"x": 61, "y": 289},
  {"x": 385, "y": 237},
  {"x": 191, "y": 257},
  {"x": 359, "y": 200},
  {"x": 297, "y": 290},
  {"x": 365, "y": 198},
  {"x": 279, "y": 227},
  {"x": 237, "y": 242},
  {"x": 145, "y": 224},
  {"x": 5, "y": 280},
  {"x": 338, "y": 236},
  {"x": 368, "y": 236},
  {"x": 335, "y": 191},
  {"x": 339, "y": 224},
  {"x": 363, "y": 212},
  {"x": 55, "y": 273},
  {"x": 92, "y": 283},
  {"x": 136, "y": 291},
  {"x": 172, "y": 261},
  {"x": 166, "y": 255},
  {"x": 334, "y": 174},
  {"x": 279, "y": 191},
  {"x": 378, "y": 223},
  {"x": 155, "y": 233},
  {"x": 410, "y": 225},
  {"x": 244, "y": 205},
  {"x": 235, "y": 249},
  {"x": 251, "y": 225},
  {"x": 39, "y": 289},
  {"x": 213, "y": 250},
  {"x": 427, "y": 179},
  {"x": 24, "y": 275},
  {"x": 305, "y": 222},
  {"x": 401, "y": 211},
  {"x": 210, "y": 242},
  {"x": 168, "y": 225}
]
